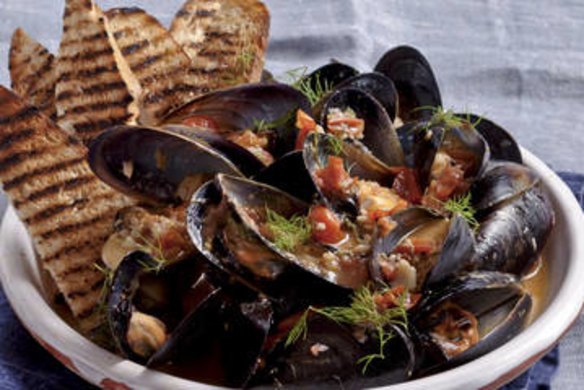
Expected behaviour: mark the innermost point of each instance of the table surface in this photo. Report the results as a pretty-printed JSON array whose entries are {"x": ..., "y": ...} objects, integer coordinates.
[{"x": 518, "y": 63}]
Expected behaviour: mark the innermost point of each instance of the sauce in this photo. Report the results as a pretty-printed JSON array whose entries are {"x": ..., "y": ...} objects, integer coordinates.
[{"x": 537, "y": 285}]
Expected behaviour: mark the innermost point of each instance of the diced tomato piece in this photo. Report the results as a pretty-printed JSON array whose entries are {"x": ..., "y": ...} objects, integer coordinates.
[
  {"x": 326, "y": 227},
  {"x": 392, "y": 298},
  {"x": 406, "y": 185},
  {"x": 448, "y": 183},
  {"x": 352, "y": 127},
  {"x": 333, "y": 177},
  {"x": 417, "y": 246},
  {"x": 201, "y": 121},
  {"x": 305, "y": 125}
]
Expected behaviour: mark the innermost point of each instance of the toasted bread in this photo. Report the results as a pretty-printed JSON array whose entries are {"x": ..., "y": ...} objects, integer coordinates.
[
  {"x": 159, "y": 63},
  {"x": 226, "y": 39},
  {"x": 95, "y": 88},
  {"x": 32, "y": 70},
  {"x": 67, "y": 210}
]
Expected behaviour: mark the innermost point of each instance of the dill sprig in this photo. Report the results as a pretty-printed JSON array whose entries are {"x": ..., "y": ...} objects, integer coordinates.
[
  {"x": 313, "y": 89},
  {"x": 362, "y": 312},
  {"x": 287, "y": 232},
  {"x": 462, "y": 205},
  {"x": 335, "y": 146},
  {"x": 156, "y": 252},
  {"x": 108, "y": 279},
  {"x": 261, "y": 126}
]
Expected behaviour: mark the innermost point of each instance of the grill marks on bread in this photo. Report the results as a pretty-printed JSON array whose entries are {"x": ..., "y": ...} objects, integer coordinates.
[
  {"x": 224, "y": 38},
  {"x": 32, "y": 72},
  {"x": 95, "y": 88},
  {"x": 158, "y": 62},
  {"x": 68, "y": 212}
]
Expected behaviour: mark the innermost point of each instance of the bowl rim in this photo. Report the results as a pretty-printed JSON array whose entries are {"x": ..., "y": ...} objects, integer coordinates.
[{"x": 21, "y": 283}]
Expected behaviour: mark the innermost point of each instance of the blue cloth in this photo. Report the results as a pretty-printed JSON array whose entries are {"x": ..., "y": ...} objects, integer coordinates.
[{"x": 24, "y": 364}]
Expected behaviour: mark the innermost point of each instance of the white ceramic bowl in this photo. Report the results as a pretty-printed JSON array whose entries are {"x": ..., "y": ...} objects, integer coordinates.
[{"x": 565, "y": 252}]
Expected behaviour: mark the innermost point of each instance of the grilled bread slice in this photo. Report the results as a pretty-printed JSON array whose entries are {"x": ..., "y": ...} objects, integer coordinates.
[
  {"x": 67, "y": 210},
  {"x": 95, "y": 88},
  {"x": 159, "y": 63},
  {"x": 226, "y": 39},
  {"x": 32, "y": 70}
]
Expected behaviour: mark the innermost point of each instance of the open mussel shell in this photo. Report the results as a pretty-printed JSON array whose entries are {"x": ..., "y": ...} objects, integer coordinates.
[
  {"x": 496, "y": 300},
  {"x": 501, "y": 144},
  {"x": 328, "y": 76},
  {"x": 289, "y": 174},
  {"x": 226, "y": 223},
  {"x": 316, "y": 152},
  {"x": 379, "y": 136},
  {"x": 334, "y": 361},
  {"x": 501, "y": 181},
  {"x": 414, "y": 80},
  {"x": 377, "y": 85},
  {"x": 246, "y": 107},
  {"x": 455, "y": 235},
  {"x": 513, "y": 235},
  {"x": 140, "y": 285},
  {"x": 426, "y": 140},
  {"x": 164, "y": 166}
]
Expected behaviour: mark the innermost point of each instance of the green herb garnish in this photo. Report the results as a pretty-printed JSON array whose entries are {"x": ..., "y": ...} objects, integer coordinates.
[
  {"x": 154, "y": 249},
  {"x": 362, "y": 312},
  {"x": 462, "y": 206},
  {"x": 315, "y": 90},
  {"x": 335, "y": 146},
  {"x": 108, "y": 274},
  {"x": 287, "y": 233},
  {"x": 261, "y": 126}
]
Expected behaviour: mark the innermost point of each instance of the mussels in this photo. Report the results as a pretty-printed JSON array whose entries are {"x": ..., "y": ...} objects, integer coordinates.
[{"x": 358, "y": 236}]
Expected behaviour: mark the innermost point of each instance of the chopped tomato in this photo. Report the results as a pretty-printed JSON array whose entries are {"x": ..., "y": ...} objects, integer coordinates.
[
  {"x": 326, "y": 227},
  {"x": 393, "y": 298},
  {"x": 333, "y": 178},
  {"x": 305, "y": 125},
  {"x": 376, "y": 202},
  {"x": 201, "y": 121},
  {"x": 406, "y": 185},
  {"x": 417, "y": 246},
  {"x": 350, "y": 127}
]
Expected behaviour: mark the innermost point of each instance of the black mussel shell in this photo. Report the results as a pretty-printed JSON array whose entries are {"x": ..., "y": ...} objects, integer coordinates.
[
  {"x": 317, "y": 150},
  {"x": 497, "y": 301},
  {"x": 379, "y": 136},
  {"x": 272, "y": 106},
  {"x": 453, "y": 258},
  {"x": 246, "y": 328},
  {"x": 335, "y": 365},
  {"x": 502, "y": 145},
  {"x": 377, "y": 85},
  {"x": 512, "y": 236},
  {"x": 164, "y": 166},
  {"x": 501, "y": 181},
  {"x": 328, "y": 76},
  {"x": 414, "y": 80},
  {"x": 137, "y": 286},
  {"x": 289, "y": 174},
  {"x": 220, "y": 221}
]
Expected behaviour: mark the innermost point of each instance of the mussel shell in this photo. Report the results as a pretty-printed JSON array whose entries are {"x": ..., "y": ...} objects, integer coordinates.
[
  {"x": 218, "y": 208},
  {"x": 413, "y": 79},
  {"x": 243, "y": 107},
  {"x": 501, "y": 181},
  {"x": 155, "y": 164},
  {"x": 453, "y": 258},
  {"x": 246, "y": 329},
  {"x": 512, "y": 236},
  {"x": 500, "y": 305},
  {"x": 329, "y": 76},
  {"x": 501, "y": 144},
  {"x": 377, "y": 85},
  {"x": 337, "y": 366},
  {"x": 289, "y": 174},
  {"x": 136, "y": 286},
  {"x": 317, "y": 149},
  {"x": 379, "y": 136},
  {"x": 193, "y": 334}
]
